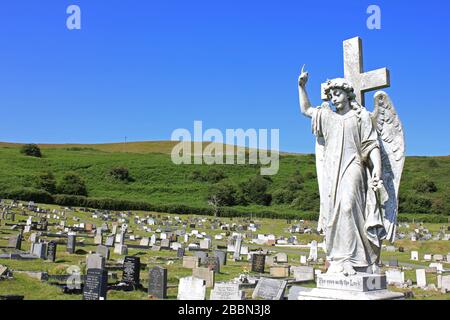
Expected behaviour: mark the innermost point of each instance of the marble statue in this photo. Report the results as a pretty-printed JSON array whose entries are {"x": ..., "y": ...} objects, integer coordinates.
[{"x": 359, "y": 158}]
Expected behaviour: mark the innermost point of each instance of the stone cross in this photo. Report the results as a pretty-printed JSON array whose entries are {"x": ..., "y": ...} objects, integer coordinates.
[{"x": 354, "y": 72}]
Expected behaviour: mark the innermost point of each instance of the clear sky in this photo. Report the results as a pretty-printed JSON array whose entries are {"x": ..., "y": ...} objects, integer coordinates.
[{"x": 141, "y": 68}]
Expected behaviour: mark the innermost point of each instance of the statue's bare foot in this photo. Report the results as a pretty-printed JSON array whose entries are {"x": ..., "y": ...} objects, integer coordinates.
[{"x": 348, "y": 269}]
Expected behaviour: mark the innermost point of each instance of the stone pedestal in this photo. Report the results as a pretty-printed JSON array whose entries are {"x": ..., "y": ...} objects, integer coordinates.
[{"x": 362, "y": 286}]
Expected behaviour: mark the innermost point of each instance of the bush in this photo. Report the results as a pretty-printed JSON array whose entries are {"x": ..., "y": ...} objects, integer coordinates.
[
  {"x": 213, "y": 175},
  {"x": 72, "y": 184},
  {"x": 283, "y": 196},
  {"x": 28, "y": 194},
  {"x": 425, "y": 186},
  {"x": 414, "y": 204},
  {"x": 46, "y": 181},
  {"x": 120, "y": 173},
  {"x": 307, "y": 201},
  {"x": 31, "y": 150}
]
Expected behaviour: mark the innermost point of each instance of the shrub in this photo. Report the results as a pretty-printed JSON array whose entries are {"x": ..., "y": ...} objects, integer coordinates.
[
  {"x": 425, "y": 186},
  {"x": 213, "y": 175},
  {"x": 46, "y": 181},
  {"x": 283, "y": 196},
  {"x": 28, "y": 194},
  {"x": 307, "y": 201},
  {"x": 414, "y": 204},
  {"x": 72, "y": 184},
  {"x": 31, "y": 150},
  {"x": 120, "y": 173}
]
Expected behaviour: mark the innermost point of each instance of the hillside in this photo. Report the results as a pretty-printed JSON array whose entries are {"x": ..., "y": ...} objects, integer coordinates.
[{"x": 156, "y": 180}]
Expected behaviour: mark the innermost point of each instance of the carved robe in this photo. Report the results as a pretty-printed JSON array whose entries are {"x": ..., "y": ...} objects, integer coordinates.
[{"x": 349, "y": 214}]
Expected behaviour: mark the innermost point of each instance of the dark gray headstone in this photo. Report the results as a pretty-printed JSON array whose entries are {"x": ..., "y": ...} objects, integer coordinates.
[
  {"x": 110, "y": 241},
  {"x": 95, "y": 285},
  {"x": 131, "y": 270},
  {"x": 213, "y": 263},
  {"x": 103, "y": 251},
  {"x": 51, "y": 251},
  {"x": 202, "y": 255},
  {"x": 258, "y": 263},
  {"x": 71, "y": 243},
  {"x": 157, "y": 283},
  {"x": 180, "y": 252}
]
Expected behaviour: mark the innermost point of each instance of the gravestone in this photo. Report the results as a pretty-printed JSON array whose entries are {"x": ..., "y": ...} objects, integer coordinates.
[
  {"x": 202, "y": 256},
  {"x": 71, "y": 243},
  {"x": 269, "y": 289},
  {"x": 421, "y": 278},
  {"x": 281, "y": 257},
  {"x": 279, "y": 271},
  {"x": 15, "y": 242},
  {"x": 213, "y": 263},
  {"x": 258, "y": 262},
  {"x": 445, "y": 284},
  {"x": 95, "y": 285},
  {"x": 95, "y": 261},
  {"x": 226, "y": 291},
  {"x": 395, "y": 277},
  {"x": 393, "y": 262},
  {"x": 205, "y": 274},
  {"x": 145, "y": 241},
  {"x": 191, "y": 288},
  {"x": 191, "y": 262},
  {"x": 415, "y": 255},
  {"x": 237, "y": 248},
  {"x": 120, "y": 249},
  {"x": 165, "y": 244},
  {"x": 303, "y": 273},
  {"x": 110, "y": 241},
  {"x": 157, "y": 283},
  {"x": 205, "y": 244},
  {"x": 222, "y": 255},
  {"x": 40, "y": 250},
  {"x": 131, "y": 271},
  {"x": 313, "y": 251},
  {"x": 51, "y": 251},
  {"x": 103, "y": 251},
  {"x": 180, "y": 252}
]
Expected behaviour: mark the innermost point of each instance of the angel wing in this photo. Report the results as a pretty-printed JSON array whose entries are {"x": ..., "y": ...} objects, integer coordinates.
[{"x": 392, "y": 147}]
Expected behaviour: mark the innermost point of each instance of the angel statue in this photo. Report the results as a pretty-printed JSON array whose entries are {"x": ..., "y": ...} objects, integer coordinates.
[{"x": 359, "y": 159}]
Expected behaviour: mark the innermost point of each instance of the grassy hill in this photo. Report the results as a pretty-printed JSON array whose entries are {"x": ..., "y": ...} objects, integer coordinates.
[{"x": 156, "y": 180}]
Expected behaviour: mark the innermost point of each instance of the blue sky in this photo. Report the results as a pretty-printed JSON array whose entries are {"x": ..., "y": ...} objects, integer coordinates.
[{"x": 143, "y": 68}]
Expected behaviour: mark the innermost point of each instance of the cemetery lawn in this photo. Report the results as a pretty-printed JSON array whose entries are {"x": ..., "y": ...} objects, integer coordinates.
[
  {"x": 34, "y": 289},
  {"x": 157, "y": 181}
]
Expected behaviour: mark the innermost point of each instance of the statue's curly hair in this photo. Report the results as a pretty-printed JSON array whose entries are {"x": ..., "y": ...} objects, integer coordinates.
[
  {"x": 345, "y": 85},
  {"x": 340, "y": 83}
]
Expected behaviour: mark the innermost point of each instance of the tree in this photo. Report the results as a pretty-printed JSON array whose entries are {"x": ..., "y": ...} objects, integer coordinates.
[
  {"x": 223, "y": 194},
  {"x": 72, "y": 184},
  {"x": 46, "y": 181},
  {"x": 31, "y": 150},
  {"x": 255, "y": 191}
]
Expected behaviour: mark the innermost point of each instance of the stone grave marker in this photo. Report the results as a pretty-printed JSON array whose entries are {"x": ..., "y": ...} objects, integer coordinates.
[
  {"x": 205, "y": 274},
  {"x": 51, "y": 251},
  {"x": 71, "y": 243},
  {"x": 258, "y": 262},
  {"x": 131, "y": 271},
  {"x": 303, "y": 273},
  {"x": 157, "y": 284},
  {"x": 191, "y": 262},
  {"x": 226, "y": 291},
  {"x": 279, "y": 271},
  {"x": 191, "y": 288},
  {"x": 415, "y": 255},
  {"x": 95, "y": 285},
  {"x": 95, "y": 261},
  {"x": 103, "y": 251},
  {"x": 222, "y": 255},
  {"x": 421, "y": 278},
  {"x": 269, "y": 289},
  {"x": 395, "y": 277},
  {"x": 213, "y": 263}
]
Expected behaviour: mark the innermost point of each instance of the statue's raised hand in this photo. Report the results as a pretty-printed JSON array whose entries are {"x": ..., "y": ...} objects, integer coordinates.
[{"x": 303, "y": 78}]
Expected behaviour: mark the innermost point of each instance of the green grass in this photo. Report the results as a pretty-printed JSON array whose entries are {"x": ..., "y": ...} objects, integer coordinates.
[{"x": 158, "y": 181}]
